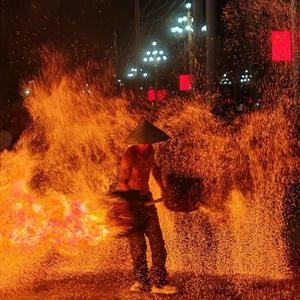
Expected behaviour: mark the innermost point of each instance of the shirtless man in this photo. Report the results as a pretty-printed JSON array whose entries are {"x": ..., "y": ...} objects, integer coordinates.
[{"x": 135, "y": 169}]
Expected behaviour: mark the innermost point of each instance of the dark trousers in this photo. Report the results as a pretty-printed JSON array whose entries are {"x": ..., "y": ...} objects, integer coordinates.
[{"x": 148, "y": 224}]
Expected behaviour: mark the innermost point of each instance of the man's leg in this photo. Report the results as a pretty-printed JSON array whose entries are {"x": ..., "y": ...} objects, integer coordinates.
[
  {"x": 138, "y": 250},
  {"x": 158, "y": 250}
]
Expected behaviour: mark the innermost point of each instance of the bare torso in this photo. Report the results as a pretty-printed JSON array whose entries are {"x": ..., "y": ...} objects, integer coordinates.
[{"x": 135, "y": 169}]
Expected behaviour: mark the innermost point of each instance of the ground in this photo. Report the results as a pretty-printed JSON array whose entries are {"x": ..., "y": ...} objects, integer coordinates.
[{"x": 114, "y": 286}]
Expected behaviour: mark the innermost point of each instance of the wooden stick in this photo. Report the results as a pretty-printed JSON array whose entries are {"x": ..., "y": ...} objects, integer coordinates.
[{"x": 154, "y": 201}]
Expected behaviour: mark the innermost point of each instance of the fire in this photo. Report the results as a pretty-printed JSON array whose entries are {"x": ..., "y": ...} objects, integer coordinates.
[
  {"x": 245, "y": 169},
  {"x": 53, "y": 183}
]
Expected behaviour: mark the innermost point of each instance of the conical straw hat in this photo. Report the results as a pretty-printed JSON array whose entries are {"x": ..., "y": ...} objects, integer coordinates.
[{"x": 146, "y": 133}]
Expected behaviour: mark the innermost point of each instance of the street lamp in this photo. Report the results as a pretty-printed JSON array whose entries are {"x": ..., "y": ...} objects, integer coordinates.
[
  {"x": 155, "y": 55},
  {"x": 136, "y": 73},
  {"x": 185, "y": 26},
  {"x": 185, "y": 23}
]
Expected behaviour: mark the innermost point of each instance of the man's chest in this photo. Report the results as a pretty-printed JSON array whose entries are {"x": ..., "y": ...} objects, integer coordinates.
[{"x": 143, "y": 162}]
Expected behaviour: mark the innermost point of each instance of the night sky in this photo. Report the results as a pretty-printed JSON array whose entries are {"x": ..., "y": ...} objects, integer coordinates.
[{"x": 86, "y": 29}]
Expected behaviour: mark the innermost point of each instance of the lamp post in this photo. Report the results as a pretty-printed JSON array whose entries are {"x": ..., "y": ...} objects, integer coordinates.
[
  {"x": 137, "y": 74},
  {"x": 155, "y": 56},
  {"x": 185, "y": 27}
]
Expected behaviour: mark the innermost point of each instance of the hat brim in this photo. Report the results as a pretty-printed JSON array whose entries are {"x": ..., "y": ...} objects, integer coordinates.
[{"x": 146, "y": 133}]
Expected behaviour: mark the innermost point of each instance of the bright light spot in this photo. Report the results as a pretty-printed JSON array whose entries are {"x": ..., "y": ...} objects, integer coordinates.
[
  {"x": 83, "y": 208},
  {"x": 154, "y": 44},
  {"x": 148, "y": 52},
  {"x": 105, "y": 232},
  {"x": 204, "y": 28},
  {"x": 180, "y": 20},
  {"x": 130, "y": 75},
  {"x": 161, "y": 52},
  {"x": 164, "y": 57},
  {"x": 188, "y": 28},
  {"x": 188, "y": 5},
  {"x": 145, "y": 74},
  {"x": 184, "y": 18},
  {"x": 27, "y": 92},
  {"x": 36, "y": 207},
  {"x": 132, "y": 69},
  {"x": 173, "y": 29},
  {"x": 154, "y": 52},
  {"x": 158, "y": 58},
  {"x": 180, "y": 30},
  {"x": 151, "y": 58},
  {"x": 18, "y": 205},
  {"x": 145, "y": 59}
]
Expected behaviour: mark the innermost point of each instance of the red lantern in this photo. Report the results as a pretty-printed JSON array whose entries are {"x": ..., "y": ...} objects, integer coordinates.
[
  {"x": 185, "y": 82},
  {"x": 281, "y": 46},
  {"x": 151, "y": 95}
]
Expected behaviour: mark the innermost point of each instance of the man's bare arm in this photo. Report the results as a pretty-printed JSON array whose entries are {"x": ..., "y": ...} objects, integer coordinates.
[{"x": 157, "y": 174}]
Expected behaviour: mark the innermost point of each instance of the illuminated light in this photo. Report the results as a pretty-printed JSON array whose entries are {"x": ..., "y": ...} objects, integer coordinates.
[
  {"x": 130, "y": 75},
  {"x": 188, "y": 5},
  {"x": 36, "y": 207},
  {"x": 184, "y": 82},
  {"x": 161, "y": 52},
  {"x": 154, "y": 44},
  {"x": 18, "y": 205},
  {"x": 151, "y": 95},
  {"x": 188, "y": 28},
  {"x": 154, "y": 52},
  {"x": 164, "y": 57},
  {"x": 145, "y": 74},
  {"x": 204, "y": 28},
  {"x": 119, "y": 80},
  {"x": 180, "y": 30},
  {"x": 148, "y": 52},
  {"x": 173, "y": 29},
  {"x": 180, "y": 20},
  {"x": 281, "y": 46},
  {"x": 132, "y": 69},
  {"x": 151, "y": 58},
  {"x": 83, "y": 208},
  {"x": 27, "y": 92},
  {"x": 184, "y": 18},
  {"x": 105, "y": 232},
  {"x": 158, "y": 58},
  {"x": 145, "y": 59}
]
